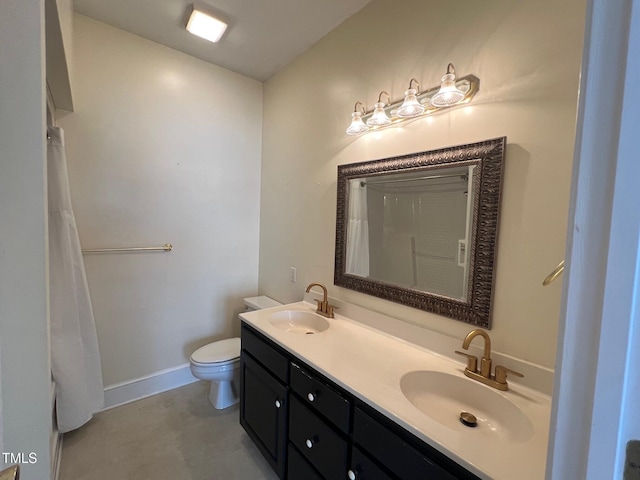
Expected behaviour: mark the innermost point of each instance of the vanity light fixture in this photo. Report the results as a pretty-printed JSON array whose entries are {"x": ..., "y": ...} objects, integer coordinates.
[
  {"x": 357, "y": 125},
  {"x": 411, "y": 107},
  {"x": 379, "y": 117},
  {"x": 448, "y": 93},
  {"x": 204, "y": 24},
  {"x": 415, "y": 103}
]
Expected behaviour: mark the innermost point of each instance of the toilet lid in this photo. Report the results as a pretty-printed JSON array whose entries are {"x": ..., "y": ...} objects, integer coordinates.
[{"x": 220, "y": 351}]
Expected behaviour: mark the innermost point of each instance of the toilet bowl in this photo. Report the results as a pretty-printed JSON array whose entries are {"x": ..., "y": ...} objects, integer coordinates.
[{"x": 219, "y": 363}]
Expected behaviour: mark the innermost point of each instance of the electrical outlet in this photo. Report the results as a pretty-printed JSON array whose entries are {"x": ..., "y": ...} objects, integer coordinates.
[
  {"x": 632, "y": 463},
  {"x": 294, "y": 275}
]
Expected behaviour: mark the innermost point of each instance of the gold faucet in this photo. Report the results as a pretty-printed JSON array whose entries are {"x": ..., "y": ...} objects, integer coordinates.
[
  {"x": 499, "y": 380},
  {"x": 324, "y": 308}
]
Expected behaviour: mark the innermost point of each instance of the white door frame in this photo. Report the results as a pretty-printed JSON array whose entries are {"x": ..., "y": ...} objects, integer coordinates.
[
  {"x": 595, "y": 370},
  {"x": 24, "y": 328}
]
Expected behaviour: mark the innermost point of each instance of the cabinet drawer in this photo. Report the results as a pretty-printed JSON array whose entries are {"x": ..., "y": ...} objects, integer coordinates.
[
  {"x": 265, "y": 353},
  {"x": 363, "y": 468},
  {"x": 322, "y": 446},
  {"x": 321, "y": 397},
  {"x": 405, "y": 461},
  {"x": 299, "y": 469}
]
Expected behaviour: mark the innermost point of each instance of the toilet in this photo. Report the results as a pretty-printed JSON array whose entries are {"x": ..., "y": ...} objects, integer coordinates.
[{"x": 219, "y": 362}]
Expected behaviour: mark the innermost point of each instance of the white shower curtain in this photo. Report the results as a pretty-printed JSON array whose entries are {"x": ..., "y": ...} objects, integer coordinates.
[
  {"x": 75, "y": 359},
  {"x": 358, "y": 231}
]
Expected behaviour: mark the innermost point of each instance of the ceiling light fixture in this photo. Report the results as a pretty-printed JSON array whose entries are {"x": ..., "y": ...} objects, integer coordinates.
[
  {"x": 415, "y": 104},
  {"x": 204, "y": 24},
  {"x": 357, "y": 125}
]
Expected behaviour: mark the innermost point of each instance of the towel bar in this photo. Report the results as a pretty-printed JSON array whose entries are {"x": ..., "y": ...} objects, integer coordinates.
[
  {"x": 553, "y": 275},
  {"x": 167, "y": 247}
]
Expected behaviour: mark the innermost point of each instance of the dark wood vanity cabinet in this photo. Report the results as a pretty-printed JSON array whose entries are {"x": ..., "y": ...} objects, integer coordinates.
[
  {"x": 264, "y": 399},
  {"x": 320, "y": 431}
]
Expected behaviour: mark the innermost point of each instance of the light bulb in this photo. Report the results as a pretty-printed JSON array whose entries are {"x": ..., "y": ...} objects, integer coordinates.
[
  {"x": 379, "y": 117},
  {"x": 357, "y": 125},
  {"x": 448, "y": 94},
  {"x": 410, "y": 107},
  {"x": 205, "y": 25}
]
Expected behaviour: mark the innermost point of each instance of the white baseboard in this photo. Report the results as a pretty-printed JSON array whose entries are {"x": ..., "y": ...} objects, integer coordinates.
[{"x": 139, "y": 388}]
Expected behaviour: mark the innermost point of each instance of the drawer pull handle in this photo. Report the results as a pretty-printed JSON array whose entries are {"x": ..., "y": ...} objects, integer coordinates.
[
  {"x": 311, "y": 397},
  {"x": 309, "y": 443},
  {"x": 352, "y": 475},
  {"x": 278, "y": 404}
]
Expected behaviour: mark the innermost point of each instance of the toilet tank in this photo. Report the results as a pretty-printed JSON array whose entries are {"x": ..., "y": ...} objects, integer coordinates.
[{"x": 258, "y": 303}]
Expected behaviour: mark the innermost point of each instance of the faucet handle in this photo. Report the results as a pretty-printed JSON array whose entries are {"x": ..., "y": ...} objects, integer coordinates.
[
  {"x": 501, "y": 374},
  {"x": 329, "y": 310},
  {"x": 325, "y": 309},
  {"x": 472, "y": 360}
]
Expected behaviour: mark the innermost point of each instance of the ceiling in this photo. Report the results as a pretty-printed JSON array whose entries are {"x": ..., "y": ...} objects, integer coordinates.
[{"x": 264, "y": 36}]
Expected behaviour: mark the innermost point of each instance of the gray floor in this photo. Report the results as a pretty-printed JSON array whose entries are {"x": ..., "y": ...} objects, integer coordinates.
[{"x": 170, "y": 436}]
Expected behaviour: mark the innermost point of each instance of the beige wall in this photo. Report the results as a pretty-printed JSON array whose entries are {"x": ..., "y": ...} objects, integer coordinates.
[
  {"x": 162, "y": 147},
  {"x": 527, "y": 55}
]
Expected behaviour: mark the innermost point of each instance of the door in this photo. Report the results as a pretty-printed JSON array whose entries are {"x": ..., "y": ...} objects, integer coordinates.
[{"x": 594, "y": 411}]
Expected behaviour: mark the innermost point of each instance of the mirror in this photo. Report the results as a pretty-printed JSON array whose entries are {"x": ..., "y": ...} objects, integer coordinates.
[{"x": 421, "y": 229}]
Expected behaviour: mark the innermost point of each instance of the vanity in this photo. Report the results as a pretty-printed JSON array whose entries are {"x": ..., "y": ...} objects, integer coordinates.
[
  {"x": 361, "y": 395},
  {"x": 333, "y": 398}
]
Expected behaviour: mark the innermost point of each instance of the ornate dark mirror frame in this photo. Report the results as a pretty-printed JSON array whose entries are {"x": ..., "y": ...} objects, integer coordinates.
[{"x": 488, "y": 155}]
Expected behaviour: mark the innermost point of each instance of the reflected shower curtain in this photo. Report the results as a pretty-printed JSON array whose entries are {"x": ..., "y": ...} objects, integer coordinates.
[
  {"x": 75, "y": 359},
  {"x": 358, "y": 231}
]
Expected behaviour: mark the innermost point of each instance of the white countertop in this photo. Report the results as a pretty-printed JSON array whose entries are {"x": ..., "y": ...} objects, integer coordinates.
[{"x": 369, "y": 364}]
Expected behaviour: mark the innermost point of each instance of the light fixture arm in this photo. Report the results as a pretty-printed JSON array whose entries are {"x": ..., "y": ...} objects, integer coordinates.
[
  {"x": 417, "y": 83},
  {"x": 357, "y": 126},
  {"x": 388, "y": 102},
  {"x": 451, "y": 69}
]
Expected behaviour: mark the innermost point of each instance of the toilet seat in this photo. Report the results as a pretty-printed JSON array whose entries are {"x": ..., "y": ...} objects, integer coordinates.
[{"x": 222, "y": 351}]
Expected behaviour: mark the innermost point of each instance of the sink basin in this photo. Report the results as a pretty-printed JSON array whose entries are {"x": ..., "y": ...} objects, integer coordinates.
[
  {"x": 299, "y": 321},
  {"x": 442, "y": 397}
]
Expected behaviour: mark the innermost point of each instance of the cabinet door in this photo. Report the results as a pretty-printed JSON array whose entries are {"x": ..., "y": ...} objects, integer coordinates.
[{"x": 263, "y": 412}]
